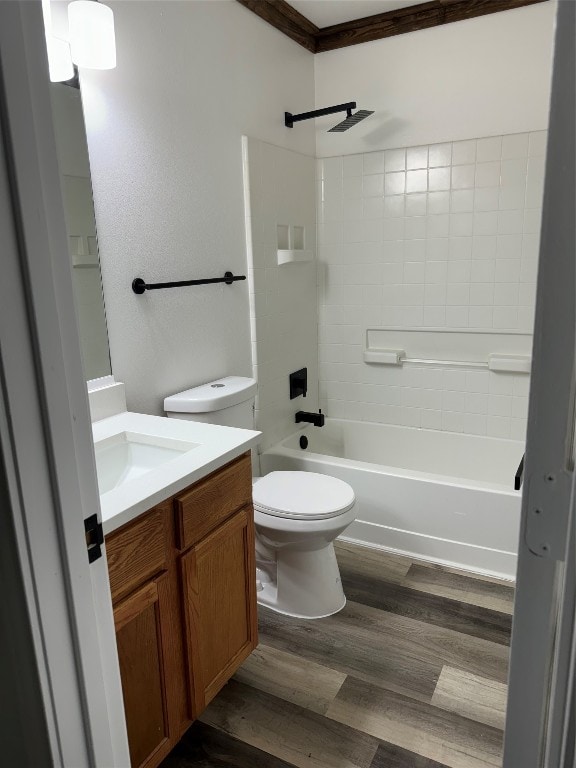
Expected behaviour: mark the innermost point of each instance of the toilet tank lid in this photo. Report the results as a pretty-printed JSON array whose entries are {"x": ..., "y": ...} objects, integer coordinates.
[{"x": 212, "y": 396}]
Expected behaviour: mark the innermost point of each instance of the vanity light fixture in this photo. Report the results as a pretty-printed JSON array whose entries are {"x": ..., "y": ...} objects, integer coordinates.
[
  {"x": 60, "y": 64},
  {"x": 92, "y": 38}
]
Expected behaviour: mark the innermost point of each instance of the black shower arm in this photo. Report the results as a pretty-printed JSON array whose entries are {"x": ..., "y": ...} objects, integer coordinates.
[{"x": 290, "y": 119}]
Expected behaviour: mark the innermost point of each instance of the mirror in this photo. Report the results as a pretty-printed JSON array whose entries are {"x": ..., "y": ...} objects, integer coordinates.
[{"x": 74, "y": 167}]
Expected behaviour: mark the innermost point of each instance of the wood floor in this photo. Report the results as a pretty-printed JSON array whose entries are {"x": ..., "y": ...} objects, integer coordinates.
[{"x": 411, "y": 674}]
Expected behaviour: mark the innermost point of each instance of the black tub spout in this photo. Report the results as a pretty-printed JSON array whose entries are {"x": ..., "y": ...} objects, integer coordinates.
[{"x": 312, "y": 418}]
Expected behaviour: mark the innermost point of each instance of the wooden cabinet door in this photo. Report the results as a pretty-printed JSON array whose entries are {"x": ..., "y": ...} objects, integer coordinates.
[
  {"x": 219, "y": 586},
  {"x": 139, "y": 630}
]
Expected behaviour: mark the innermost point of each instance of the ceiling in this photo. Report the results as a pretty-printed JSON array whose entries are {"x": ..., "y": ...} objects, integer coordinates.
[{"x": 325, "y": 13}]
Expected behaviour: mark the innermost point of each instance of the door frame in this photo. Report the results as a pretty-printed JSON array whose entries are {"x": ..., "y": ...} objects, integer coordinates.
[
  {"x": 543, "y": 625},
  {"x": 45, "y": 429}
]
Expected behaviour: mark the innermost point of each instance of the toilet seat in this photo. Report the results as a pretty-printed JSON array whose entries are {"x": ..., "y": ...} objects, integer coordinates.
[{"x": 302, "y": 496}]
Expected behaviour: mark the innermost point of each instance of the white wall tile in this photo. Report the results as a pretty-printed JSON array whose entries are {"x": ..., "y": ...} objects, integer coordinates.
[
  {"x": 514, "y": 172},
  {"x": 482, "y": 295},
  {"x": 394, "y": 206},
  {"x": 373, "y": 208},
  {"x": 461, "y": 224},
  {"x": 537, "y": 143},
  {"x": 484, "y": 246},
  {"x": 436, "y": 248},
  {"x": 464, "y": 152},
  {"x": 416, "y": 181},
  {"x": 488, "y": 174},
  {"x": 486, "y": 198},
  {"x": 395, "y": 160},
  {"x": 415, "y": 227},
  {"x": 438, "y": 202},
  {"x": 485, "y": 223},
  {"x": 509, "y": 246},
  {"x": 373, "y": 162},
  {"x": 352, "y": 165},
  {"x": 395, "y": 183},
  {"x": 439, "y": 179},
  {"x": 515, "y": 145},
  {"x": 416, "y": 204},
  {"x": 459, "y": 248},
  {"x": 510, "y": 222},
  {"x": 393, "y": 229},
  {"x": 489, "y": 149},
  {"x": 482, "y": 271},
  {"x": 438, "y": 225},
  {"x": 444, "y": 236},
  {"x": 352, "y": 187},
  {"x": 373, "y": 185},
  {"x": 463, "y": 176},
  {"x": 439, "y": 155},
  {"x": 512, "y": 197},
  {"x": 416, "y": 157},
  {"x": 462, "y": 201},
  {"x": 479, "y": 316}
]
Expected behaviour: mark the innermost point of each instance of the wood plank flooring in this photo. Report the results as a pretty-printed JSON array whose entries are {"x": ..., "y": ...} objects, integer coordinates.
[{"x": 411, "y": 674}]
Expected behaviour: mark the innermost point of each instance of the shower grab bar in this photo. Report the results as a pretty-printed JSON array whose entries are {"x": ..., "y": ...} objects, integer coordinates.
[
  {"x": 518, "y": 477},
  {"x": 139, "y": 286},
  {"x": 495, "y": 362}
]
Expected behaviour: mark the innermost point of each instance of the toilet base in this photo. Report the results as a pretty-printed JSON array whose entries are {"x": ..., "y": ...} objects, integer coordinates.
[{"x": 307, "y": 584}]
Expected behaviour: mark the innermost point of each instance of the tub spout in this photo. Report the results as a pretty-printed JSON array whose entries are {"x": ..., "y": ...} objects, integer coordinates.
[{"x": 312, "y": 418}]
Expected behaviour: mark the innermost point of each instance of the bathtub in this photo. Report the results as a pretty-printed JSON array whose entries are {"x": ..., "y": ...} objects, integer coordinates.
[{"x": 431, "y": 495}]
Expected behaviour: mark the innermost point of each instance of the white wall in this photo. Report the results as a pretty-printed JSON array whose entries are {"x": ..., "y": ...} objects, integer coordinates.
[
  {"x": 483, "y": 77},
  {"x": 280, "y": 190},
  {"x": 164, "y": 134}
]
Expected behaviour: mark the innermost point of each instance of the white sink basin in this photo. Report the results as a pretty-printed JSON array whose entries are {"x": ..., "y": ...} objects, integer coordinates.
[
  {"x": 142, "y": 460},
  {"x": 126, "y": 456}
]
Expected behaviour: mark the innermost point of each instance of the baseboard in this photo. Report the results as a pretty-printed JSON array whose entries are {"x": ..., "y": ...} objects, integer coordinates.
[{"x": 454, "y": 554}]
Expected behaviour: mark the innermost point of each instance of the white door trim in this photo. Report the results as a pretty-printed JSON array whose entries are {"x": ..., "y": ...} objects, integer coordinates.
[
  {"x": 45, "y": 425},
  {"x": 534, "y": 728}
]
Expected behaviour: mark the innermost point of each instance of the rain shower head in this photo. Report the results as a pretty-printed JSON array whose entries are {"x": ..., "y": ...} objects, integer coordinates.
[
  {"x": 351, "y": 120},
  {"x": 348, "y": 122}
]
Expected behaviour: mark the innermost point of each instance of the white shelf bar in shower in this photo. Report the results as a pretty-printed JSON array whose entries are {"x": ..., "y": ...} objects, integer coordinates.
[{"x": 503, "y": 352}]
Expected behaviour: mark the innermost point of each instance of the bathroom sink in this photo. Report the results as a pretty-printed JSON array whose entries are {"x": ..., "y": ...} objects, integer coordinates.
[
  {"x": 142, "y": 460},
  {"x": 127, "y": 456}
]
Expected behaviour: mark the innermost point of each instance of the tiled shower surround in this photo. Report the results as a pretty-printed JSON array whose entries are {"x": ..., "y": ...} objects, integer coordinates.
[{"x": 443, "y": 236}]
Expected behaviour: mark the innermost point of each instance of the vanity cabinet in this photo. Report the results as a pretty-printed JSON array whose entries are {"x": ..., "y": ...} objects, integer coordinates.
[
  {"x": 183, "y": 581},
  {"x": 219, "y": 588},
  {"x": 140, "y": 626}
]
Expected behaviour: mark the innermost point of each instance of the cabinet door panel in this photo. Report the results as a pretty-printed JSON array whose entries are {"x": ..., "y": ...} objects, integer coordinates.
[
  {"x": 207, "y": 504},
  {"x": 219, "y": 582},
  {"x": 138, "y": 551},
  {"x": 139, "y": 641}
]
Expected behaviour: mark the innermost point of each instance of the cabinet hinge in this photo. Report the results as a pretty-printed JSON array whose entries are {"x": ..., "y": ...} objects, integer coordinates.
[{"x": 94, "y": 537}]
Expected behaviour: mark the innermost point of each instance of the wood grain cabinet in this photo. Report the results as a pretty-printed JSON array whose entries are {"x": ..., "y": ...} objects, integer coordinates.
[
  {"x": 183, "y": 583},
  {"x": 219, "y": 589}
]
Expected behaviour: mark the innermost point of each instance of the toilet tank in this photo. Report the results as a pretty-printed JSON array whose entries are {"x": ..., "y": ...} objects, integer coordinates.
[{"x": 228, "y": 401}]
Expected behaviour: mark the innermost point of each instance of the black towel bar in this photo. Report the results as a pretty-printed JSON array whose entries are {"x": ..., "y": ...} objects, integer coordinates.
[{"x": 139, "y": 285}]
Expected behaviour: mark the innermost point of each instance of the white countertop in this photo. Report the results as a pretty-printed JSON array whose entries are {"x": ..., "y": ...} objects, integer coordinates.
[{"x": 216, "y": 446}]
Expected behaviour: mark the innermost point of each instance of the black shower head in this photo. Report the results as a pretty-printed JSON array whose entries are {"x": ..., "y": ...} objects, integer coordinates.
[
  {"x": 362, "y": 114},
  {"x": 351, "y": 120}
]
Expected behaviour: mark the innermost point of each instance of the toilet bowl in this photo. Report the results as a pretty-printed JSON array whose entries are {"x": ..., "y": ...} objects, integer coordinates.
[{"x": 297, "y": 517}]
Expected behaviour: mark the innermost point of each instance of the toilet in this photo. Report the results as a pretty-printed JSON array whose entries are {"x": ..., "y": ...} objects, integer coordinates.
[{"x": 297, "y": 515}]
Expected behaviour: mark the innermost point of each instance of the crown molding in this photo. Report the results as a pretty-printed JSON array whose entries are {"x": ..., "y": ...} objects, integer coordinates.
[{"x": 284, "y": 17}]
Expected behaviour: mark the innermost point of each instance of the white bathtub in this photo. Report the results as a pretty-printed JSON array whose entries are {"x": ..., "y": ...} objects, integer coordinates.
[{"x": 432, "y": 495}]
